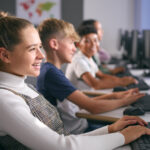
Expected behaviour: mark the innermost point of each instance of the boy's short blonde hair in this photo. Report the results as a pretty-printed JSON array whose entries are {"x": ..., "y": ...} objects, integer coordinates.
[{"x": 55, "y": 28}]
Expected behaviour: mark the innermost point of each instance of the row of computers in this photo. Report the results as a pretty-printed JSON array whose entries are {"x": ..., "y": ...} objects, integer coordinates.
[{"x": 136, "y": 45}]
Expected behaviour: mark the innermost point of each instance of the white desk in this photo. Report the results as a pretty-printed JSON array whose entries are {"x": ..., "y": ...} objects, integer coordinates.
[{"x": 138, "y": 72}]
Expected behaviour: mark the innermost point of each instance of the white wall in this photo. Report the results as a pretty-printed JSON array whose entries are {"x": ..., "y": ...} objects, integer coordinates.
[
  {"x": 114, "y": 15},
  {"x": 145, "y": 18}
]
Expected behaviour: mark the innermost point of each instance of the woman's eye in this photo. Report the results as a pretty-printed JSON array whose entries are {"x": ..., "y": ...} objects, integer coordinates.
[
  {"x": 41, "y": 47},
  {"x": 32, "y": 49}
]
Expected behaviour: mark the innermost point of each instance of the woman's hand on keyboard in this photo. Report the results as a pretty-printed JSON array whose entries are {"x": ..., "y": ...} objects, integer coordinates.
[
  {"x": 124, "y": 122},
  {"x": 131, "y": 133}
]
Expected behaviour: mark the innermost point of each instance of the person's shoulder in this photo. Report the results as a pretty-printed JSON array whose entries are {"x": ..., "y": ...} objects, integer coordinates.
[
  {"x": 9, "y": 98},
  {"x": 46, "y": 66},
  {"x": 4, "y": 92},
  {"x": 79, "y": 57},
  {"x": 54, "y": 73},
  {"x": 52, "y": 69},
  {"x": 78, "y": 54}
]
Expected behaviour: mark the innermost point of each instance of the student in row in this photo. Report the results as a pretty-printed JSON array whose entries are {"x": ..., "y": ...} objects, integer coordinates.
[
  {"x": 102, "y": 57},
  {"x": 83, "y": 72},
  {"x": 27, "y": 120},
  {"x": 58, "y": 38}
]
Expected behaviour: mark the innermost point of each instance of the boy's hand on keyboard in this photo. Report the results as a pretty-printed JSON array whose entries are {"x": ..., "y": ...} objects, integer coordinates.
[
  {"x": 131, "y": 97},
  {"x": 124, "y": 122},
  {"x": 131, "y": 133},
  {"x": 128, "y": 80},
  {"x": 117, "y": 70},
  {"x": 124, "y": 93},
  {"x": 134, "y": 90}
]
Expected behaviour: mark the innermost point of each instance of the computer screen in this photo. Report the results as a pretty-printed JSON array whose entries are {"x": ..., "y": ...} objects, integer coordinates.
[
  {"x": 134, "y": 45},
  {"x": 137, "y": 49},
  {"x": 146, "y": 44}
]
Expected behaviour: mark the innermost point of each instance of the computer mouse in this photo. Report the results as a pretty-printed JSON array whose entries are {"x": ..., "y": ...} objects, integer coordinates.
[
  {"x": 119, "y": 88},
  {"x": 135, "y": 111}
]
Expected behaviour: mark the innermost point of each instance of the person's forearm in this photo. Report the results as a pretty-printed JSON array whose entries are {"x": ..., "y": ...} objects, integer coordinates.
[
  {"x": 95, "y": 104},
  {"x": 99, "y": 131},
  {"x": 106, "y": 76},
  {"x": 104, "y": 142},
  {"x": 106, "y": 83},
  {"x": 107, "y": 96},
  {"x": 102, "y": 106}
]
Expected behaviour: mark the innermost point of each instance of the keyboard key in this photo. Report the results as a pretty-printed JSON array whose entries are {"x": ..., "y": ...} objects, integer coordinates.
[{"x": 143, "y": 143}]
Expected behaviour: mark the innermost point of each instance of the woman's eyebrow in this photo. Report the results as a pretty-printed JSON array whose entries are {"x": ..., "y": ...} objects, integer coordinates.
[{"x": 31, "y": 45}]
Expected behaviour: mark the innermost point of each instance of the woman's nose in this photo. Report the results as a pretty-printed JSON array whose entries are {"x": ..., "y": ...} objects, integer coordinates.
[
  {"x": 74, "y": 48},
  {"x": 40, "y": 54}
]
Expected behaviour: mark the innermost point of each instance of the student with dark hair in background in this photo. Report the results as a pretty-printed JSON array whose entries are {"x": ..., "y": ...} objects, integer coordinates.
[
  {"x": 83, "y": 71},
  {"x": 102, "y": 57}
]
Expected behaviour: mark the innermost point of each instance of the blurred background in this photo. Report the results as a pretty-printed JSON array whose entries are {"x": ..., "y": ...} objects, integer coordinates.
[{"x": 118, "y": 17}]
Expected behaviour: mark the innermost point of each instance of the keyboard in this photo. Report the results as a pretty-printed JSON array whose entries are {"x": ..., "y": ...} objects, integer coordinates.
[
  {"x": 142, "y": 85},
  {"x": 142, "y": 143},
  {"x": 122, "y": 74},
  {"x": 143, "y": 103}
]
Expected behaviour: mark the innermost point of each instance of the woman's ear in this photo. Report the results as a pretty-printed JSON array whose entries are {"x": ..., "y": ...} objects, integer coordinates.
[
  {"x": 53, "y": 43},
  {"x": 4, "y": 55}
]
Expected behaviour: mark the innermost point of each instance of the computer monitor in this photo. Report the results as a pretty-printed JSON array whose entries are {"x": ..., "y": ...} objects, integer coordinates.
[
  {"x": 127, "y": 42},
  {"x": 120, "y": 39},
  {"x": 146, "y": 51},
  {"x": 134, "y": 45},
  {"x": 146, "y": 44},
  {"x": 136, "y": 56}
]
